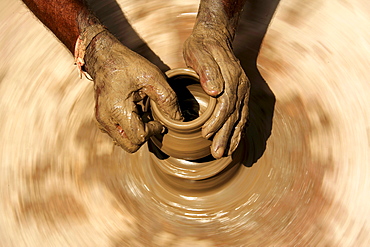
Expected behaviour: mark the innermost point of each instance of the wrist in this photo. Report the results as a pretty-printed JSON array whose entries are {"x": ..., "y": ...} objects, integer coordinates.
[
  {"x": 91, "y": 56},
  {"x": 213, "y": 18},
  {"x": 89, "y": 28},
  {"x": 212, "y": 31},
  {"x": 85, "y": 19}
]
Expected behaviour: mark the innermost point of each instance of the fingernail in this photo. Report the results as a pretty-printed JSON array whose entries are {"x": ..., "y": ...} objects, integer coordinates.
[
  {"x": 213, "y": 92},
  {"x": 219, "y": 152},
  {"x": 209, "y": 135},
  {"x": 210, "y": 86}
]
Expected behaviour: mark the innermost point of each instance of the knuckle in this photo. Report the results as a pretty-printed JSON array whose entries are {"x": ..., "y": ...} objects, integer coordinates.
[
  {"x": 117, "y": 112},
  {"x": 100, "y": 118},
  {"x": 141, "y": 137},
  {"x": 130, "y": 148},
  {"x": 101, "y": 113},
  {"x": 169, "y": 98}
]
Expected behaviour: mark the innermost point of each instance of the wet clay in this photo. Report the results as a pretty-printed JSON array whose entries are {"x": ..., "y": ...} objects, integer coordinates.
[
  {"x": 121, "y": 79},
  {"x": 183, "y": 139},
  {"x": 64, "y": 183},
  {"x": 182, "y": 151},
  {"x": 238, "y": 200},
  {"x": 209, "y": 52}
]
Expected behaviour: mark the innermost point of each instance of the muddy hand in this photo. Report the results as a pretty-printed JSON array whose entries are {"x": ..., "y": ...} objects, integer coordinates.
[
  {"x": 209, "y": 53},
  {"x": 121, "y": 79}
]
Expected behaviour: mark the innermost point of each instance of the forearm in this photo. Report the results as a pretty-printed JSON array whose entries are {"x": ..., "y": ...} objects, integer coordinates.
[
  {"x": 65, "y": 18},
  {"x": 222, "y": 15}
]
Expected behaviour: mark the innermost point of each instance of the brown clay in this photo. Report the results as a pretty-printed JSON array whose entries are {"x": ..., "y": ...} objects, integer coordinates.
[
  {"x": 182, "y": 151},
  {"x": 208, "y": 50},
  {"x": 121, "y": 79},
  {"x": 63, "y": 183},
  {"x": 184, "y": 139}
]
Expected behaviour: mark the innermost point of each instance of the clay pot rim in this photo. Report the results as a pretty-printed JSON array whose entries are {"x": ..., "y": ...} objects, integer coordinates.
[{"x": 196, "y": 123}]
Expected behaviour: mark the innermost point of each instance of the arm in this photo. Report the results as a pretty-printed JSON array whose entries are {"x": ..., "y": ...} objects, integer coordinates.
[
  {"x": 221, "y": 15},
  {"x": 60, "y": 17},
  {"x": 121, "y": 76},
  {"x": 209, "y": 52}
]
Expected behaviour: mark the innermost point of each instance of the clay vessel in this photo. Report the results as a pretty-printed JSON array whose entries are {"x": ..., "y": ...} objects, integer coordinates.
[{"x": 183, "y": 139}]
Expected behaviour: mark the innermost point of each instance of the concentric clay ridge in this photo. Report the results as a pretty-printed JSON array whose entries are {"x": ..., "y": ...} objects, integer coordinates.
[
  {"x": 182, "y": 151},
  {"x": 184, "y": 139}
]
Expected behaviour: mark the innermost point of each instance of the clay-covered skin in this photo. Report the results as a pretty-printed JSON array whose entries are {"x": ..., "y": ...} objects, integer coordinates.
[
  {"x": 121, "y": 76},
  {"x": 121, "y": 79},
  {"x": 209, "y": 52},
  {"x": 63, "y": 183}
]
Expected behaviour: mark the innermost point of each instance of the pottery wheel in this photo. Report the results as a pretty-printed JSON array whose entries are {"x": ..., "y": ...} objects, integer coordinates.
[{"x": 306, "y": 176}]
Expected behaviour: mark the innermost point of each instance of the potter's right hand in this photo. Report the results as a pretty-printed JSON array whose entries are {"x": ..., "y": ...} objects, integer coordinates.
[
  {"x": 208, "y": 51},
  {"x": 121, "y": 79}
]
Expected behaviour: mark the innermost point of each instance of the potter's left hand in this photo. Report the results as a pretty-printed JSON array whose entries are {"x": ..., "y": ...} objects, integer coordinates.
[{"x": 210, "y": 54}]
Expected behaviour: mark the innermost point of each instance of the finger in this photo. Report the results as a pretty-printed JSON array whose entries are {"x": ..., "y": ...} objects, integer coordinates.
[
  {"x": 221, "y": 138},
  {"x": 153, "y": 128},
  {"x": 226, "y": 102},
  {"x": 206, "y": 67},
  {"x": 121, "y": 139},
  {"x": 158, "y": 90},
  {"x": 121, "y": 136},
  {"x": 218, "y": 117},
  {"x": 238, "y": 131},
  {"x": 126, "y": 118},
  {"x": 114, "y": 131}
]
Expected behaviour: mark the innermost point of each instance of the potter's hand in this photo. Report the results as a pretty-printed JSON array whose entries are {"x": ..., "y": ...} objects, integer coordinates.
[
  {"x": 122, "y": 78},
  {"x": 209, "y": 53}
]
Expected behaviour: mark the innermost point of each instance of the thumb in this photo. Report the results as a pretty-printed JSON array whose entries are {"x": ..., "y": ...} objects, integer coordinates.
[
  {"x": 153, "y": 128},
  {"x": 165, "y": 98},
  {"x": 207, "y": 68}
]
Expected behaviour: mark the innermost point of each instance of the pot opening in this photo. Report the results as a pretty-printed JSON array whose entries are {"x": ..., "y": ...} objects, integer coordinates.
[{"x": 192, "y": 100}]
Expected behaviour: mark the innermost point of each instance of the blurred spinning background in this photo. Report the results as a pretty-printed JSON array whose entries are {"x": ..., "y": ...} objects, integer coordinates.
[{"x": 64, "y": 183}]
